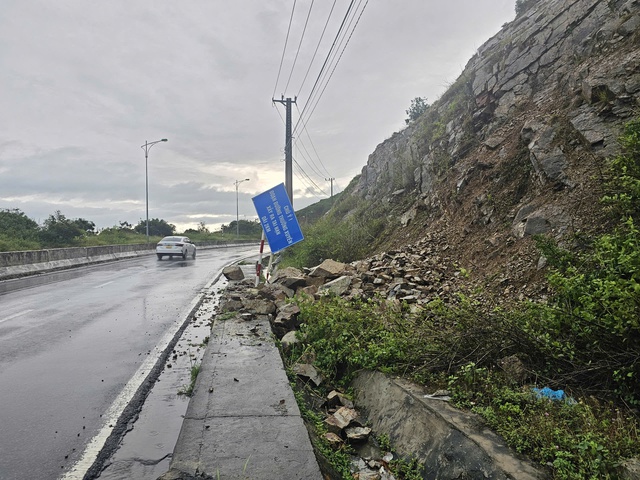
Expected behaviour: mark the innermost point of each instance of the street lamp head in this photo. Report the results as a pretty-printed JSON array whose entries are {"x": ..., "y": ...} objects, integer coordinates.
[
  {"x": 164, "y": 140},
  {"x": 246, "y": 179}
]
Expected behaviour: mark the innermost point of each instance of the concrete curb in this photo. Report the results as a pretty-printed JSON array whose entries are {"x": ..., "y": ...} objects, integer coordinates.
[{"x": 243, "y": 420}]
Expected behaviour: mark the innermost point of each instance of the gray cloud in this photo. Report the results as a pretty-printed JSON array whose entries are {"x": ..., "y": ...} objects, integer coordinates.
[{"x": 85, "y": 84}]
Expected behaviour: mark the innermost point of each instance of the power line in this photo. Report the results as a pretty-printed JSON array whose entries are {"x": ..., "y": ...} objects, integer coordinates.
[
  {"x": 341, "y": 40},
  {"x": 299, "y": 45},
  {"x": 307, "y": 157},
  {"x": 320, "y": 174},
  {"x": 324, "y": 65},
  {"x": 284, "y": 49},
  {"x": 310, "y": 180},
  {"x": 309, "y": 190},
  {"x": 331, "y": 55},
  {"x": 301, "y": 119},
  {"x": 341, "y": 34},
  {"x": 317, "y": 48}
]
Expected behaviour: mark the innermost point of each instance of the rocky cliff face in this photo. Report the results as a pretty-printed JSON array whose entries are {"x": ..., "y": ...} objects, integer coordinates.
[{"x": 515, "y": 147}]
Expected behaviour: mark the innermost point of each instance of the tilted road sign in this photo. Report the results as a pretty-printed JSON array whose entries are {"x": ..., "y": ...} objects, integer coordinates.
[{"x": 278, "y": 219}]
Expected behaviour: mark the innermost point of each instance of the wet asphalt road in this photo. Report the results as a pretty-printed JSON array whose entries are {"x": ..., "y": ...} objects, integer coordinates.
[{"x": 70, "y": 342}]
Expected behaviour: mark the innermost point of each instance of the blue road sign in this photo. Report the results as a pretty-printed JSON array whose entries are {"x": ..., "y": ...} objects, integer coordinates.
[{"x": 278, "y": 219}]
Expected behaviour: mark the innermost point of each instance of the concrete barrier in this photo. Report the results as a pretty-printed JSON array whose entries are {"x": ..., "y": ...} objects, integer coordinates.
[
  {"x": 451, "y": 443},
  {"x": 19, "y": 264},
  {"x": 30, "y": 262},
  {"x": 10, "y": 259}
]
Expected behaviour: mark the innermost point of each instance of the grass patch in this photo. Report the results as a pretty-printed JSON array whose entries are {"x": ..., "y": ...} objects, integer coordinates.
[{"x": 187, "y": 390}]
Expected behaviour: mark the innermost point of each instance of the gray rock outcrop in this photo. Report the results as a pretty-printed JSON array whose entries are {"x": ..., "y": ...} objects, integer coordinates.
[{"x": 549, "y": 93}]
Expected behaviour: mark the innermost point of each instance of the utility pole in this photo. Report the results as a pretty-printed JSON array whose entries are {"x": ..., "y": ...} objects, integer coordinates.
[
  {"x": 288, "y": 150},
  {"x": 330, "y": 180}
]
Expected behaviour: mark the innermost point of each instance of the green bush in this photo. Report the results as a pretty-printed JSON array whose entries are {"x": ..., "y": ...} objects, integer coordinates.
[
  {"x": 577, "y": 439},
  {"x": 12, "y": 244},
  {"x": 349, "y": 336},
  {"x": 18, "y": 232},
  {"x": 457, "y": 346},
  {"x": 339, "y": 237},
  {"x": 623, "y": 183},
  {"x": 590, "y": 331}
]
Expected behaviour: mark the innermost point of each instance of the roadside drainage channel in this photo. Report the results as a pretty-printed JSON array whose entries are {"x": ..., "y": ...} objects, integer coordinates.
[{"x": 145, "y": 451}]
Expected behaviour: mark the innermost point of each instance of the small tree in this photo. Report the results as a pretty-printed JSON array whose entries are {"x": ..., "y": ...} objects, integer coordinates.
[
  {"x": 59, "y": 231},
  {"x": 125, "y": 226},
  {"x": 418, "y": 106},
  {"x": 157, "y": 228},
  {"x": 85, "y": 225},
  {"x": 15, "y": 223}
]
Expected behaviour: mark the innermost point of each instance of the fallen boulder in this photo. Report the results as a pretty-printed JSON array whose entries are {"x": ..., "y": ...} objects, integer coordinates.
[{"x": 233, "y": 273}]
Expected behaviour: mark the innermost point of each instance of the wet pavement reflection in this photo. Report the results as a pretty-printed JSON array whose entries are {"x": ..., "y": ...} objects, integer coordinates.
[{"x": 145, "y": 452}]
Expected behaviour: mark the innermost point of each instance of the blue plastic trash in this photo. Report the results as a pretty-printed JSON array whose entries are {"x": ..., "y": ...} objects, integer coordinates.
[{"x": 546, "y": 392}]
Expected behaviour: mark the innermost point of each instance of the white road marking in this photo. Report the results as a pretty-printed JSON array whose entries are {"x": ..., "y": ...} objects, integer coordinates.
[
  {"x": 104, "y": 284},
  {"x": 15, "y": 315},
  {"x": 110, "y": 418}
]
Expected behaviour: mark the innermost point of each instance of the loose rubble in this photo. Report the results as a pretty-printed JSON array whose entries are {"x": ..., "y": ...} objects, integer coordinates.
[
  {"x": 412, "y": 275},
  {"x": 415, "y": 275}
]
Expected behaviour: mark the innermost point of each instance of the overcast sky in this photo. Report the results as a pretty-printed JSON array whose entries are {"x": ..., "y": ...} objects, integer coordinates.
[{"x": 85, "y": 83}]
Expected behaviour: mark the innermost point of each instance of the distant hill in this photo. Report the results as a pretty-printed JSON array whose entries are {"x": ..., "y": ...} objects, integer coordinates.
[{"x": 313, "y": 213}]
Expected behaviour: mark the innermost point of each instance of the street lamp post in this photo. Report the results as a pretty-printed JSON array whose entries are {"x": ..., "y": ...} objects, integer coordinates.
[
  {"x": 147, "y": 146},
  {"x": 238, "y": 182}
]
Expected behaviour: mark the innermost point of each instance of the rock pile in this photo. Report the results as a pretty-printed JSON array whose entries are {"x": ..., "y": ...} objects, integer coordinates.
[
  {"x": 415, "y": 274},
  {"x": 344, "y": 426}
]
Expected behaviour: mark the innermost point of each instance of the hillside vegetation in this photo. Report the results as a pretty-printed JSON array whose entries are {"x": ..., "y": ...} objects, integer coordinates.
[{"x": 525, "y": 178}]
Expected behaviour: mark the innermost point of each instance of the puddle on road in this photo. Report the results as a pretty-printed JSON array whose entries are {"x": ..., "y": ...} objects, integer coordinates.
[{"x": 145, "y": 452}]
